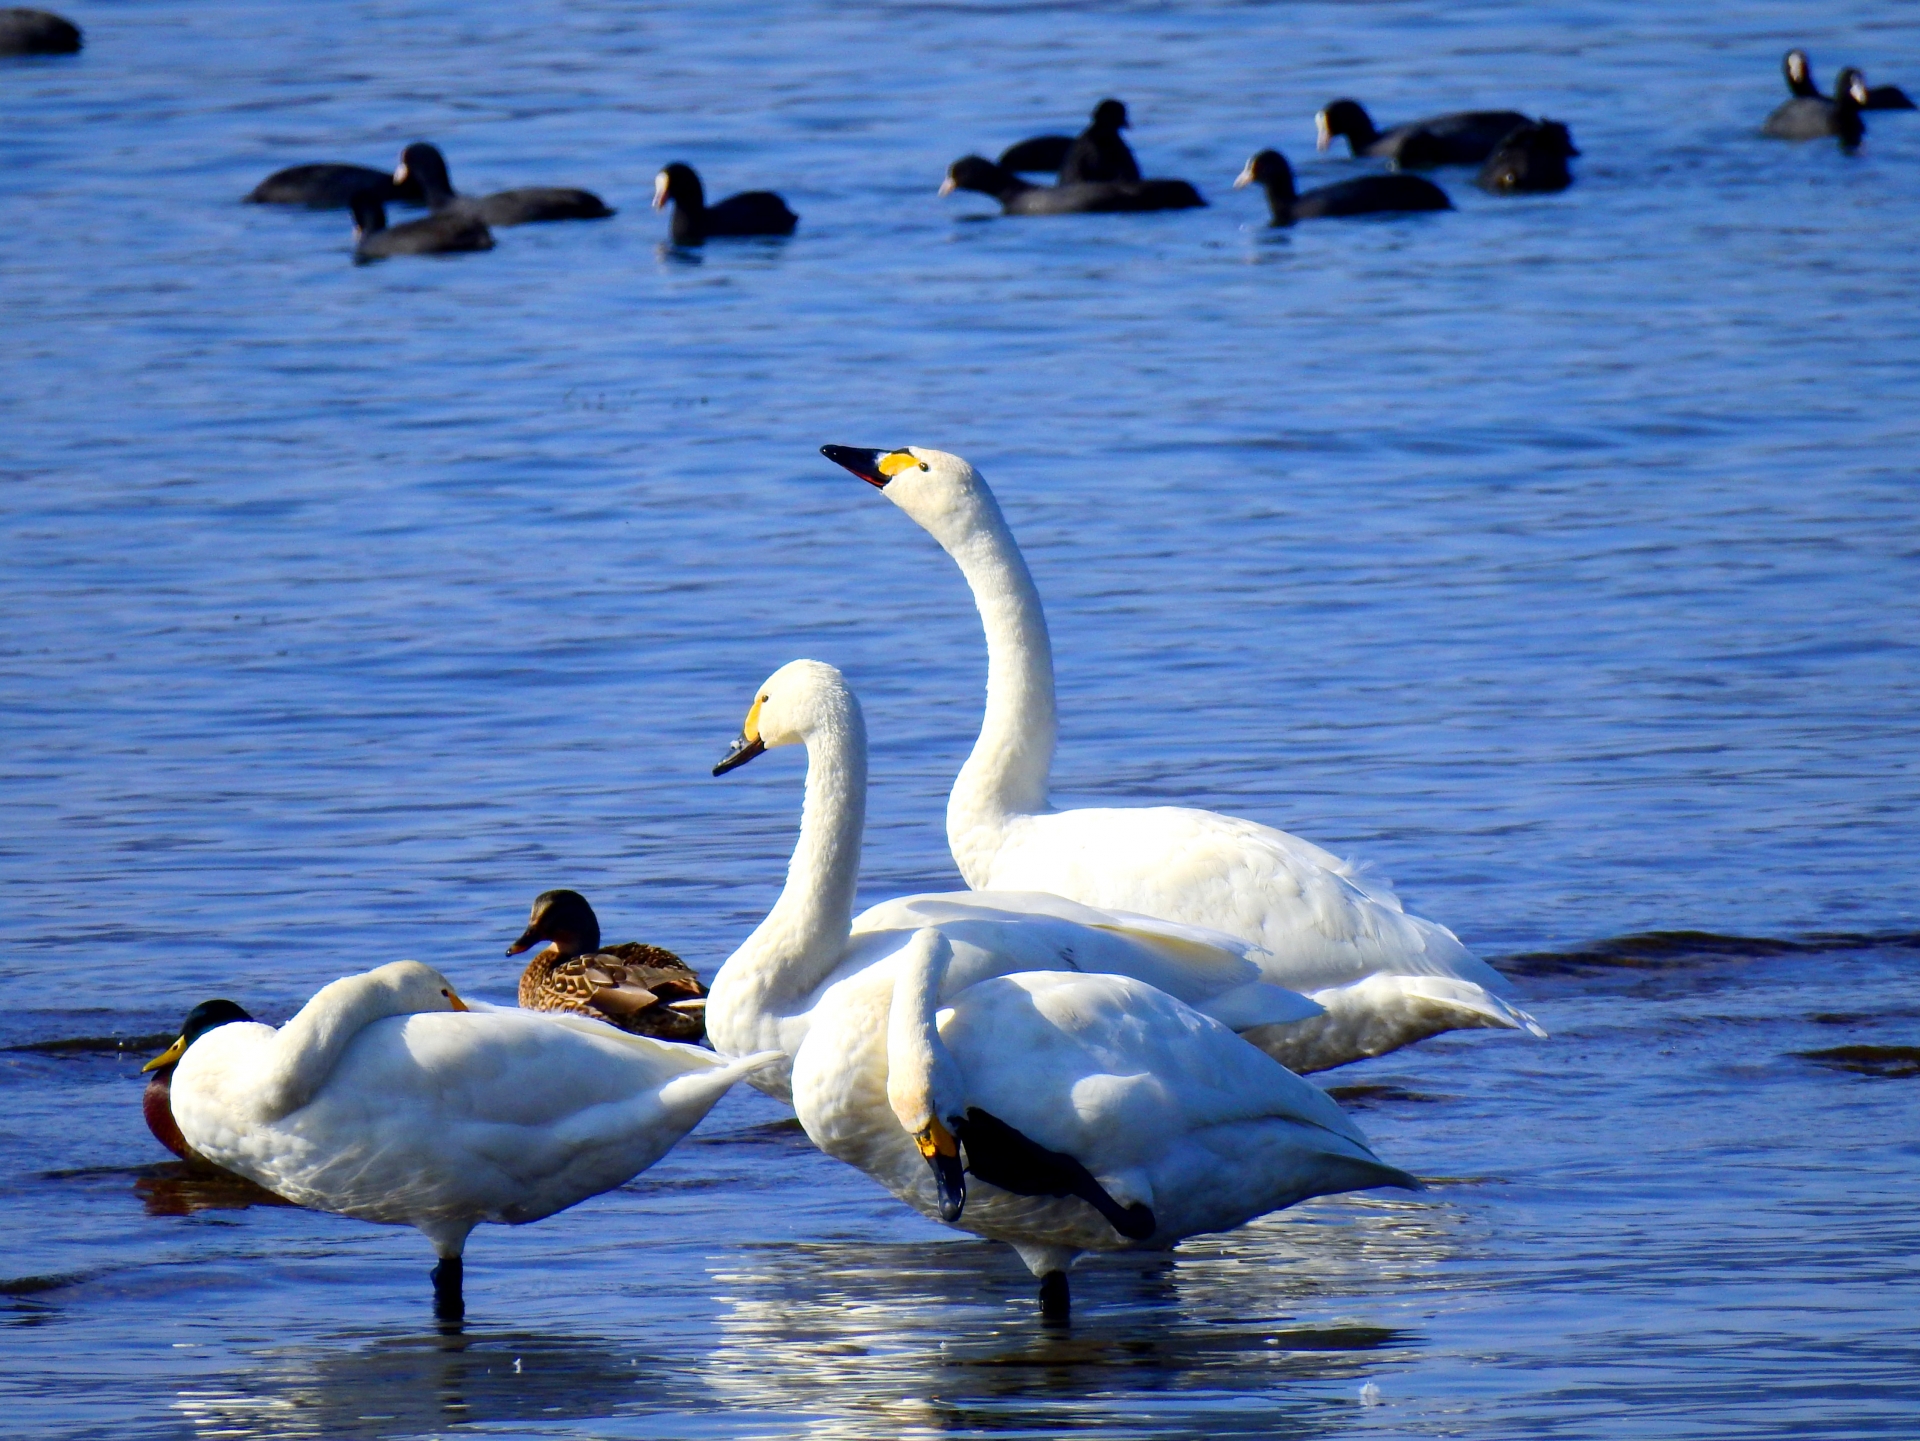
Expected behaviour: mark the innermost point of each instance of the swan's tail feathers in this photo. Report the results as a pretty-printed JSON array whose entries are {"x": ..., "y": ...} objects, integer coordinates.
[
  {"x": 1473, "y": 1000},
  {"x": 1258, "y": 1003},
  {"x": 704, "y": 1086},
  {"x": 1384, "y": 1012}
]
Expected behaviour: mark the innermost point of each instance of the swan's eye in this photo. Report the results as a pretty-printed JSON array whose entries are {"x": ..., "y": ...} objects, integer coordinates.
[
  {"x": 763, "y": 700},
  {"x": 923, "y": 465}
]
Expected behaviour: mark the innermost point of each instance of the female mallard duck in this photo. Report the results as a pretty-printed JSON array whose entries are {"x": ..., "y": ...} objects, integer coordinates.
[
  {"x": 646, "y": 990},
  {"x": 389, "y": 1099}
]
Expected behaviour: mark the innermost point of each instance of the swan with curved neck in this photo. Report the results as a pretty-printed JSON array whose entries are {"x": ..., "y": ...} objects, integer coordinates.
[
  {"x": 1384, "y": 977},
  {"x": 763, "y": 997},
  {"x": 1063, "y": 1112},
  {"x": 389, "y": 1099}
]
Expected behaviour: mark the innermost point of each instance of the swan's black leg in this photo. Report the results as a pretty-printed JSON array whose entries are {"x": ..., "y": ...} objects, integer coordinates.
[
  {"x": 1056, "y": 1302},
  {"x": 448, "y": 1303}
]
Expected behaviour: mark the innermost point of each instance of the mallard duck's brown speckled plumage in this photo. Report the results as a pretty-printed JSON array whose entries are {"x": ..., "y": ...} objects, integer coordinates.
[{"x": 645, "y": 989}]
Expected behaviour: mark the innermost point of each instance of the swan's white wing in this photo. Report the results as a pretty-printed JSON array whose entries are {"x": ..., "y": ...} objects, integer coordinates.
[
  {"x": 998, "y": 932},
  {"x": 1323, "y": 921},
  {"x": 493, "y": 1114},
  {"x": 1129, "y": 1061}
]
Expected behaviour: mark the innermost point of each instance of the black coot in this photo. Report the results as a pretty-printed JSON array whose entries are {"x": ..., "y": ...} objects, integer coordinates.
[
  {"x": 1532, "y": 160},
  {"x": 1017, "y": 197},
  {"x": 423, "y": 164},
  {"x": 1363, "y": 195},
  {"x": 1799, "y": 72},
  {"x": 1812, "y": 117},
  {"x": 1870, "y": 97},
  {"x": 332, "y": 187},
  {"x": 1098, "y": 153},
  {"x": 36, "y": 32},
  {"x": 1465, "y": 137},
  {"x": 1040, "y": 155},
  {"x": 752, "y": 212},
  {"x": 444, "y": 232}
]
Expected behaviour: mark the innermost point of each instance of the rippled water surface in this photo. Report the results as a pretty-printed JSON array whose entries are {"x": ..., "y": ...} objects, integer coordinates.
[{"x": 1558, "y": 555}]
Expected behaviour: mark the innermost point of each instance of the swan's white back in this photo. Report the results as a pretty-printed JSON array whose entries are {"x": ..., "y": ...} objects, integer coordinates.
[{"x": 443, "y": 1120}]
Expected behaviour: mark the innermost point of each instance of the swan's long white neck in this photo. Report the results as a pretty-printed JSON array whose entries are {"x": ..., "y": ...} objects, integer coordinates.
[
  {"x": 1006, "y": 775},
  {"x": 923, "y": 1080},
  {"x": 305, "y": 1050},
  {"x": 776, "y": 970}
]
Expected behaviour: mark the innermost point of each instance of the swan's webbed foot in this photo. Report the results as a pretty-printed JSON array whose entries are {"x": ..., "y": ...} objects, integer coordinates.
[
  {"x": 449, "y": 1304},
  {"x": 1056, "y": 1301}
]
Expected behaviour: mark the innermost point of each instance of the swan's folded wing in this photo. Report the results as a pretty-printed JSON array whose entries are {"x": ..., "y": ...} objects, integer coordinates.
[
  {"x": 1132, "y": 1059},
  {"x": 1034, "y": 930}
]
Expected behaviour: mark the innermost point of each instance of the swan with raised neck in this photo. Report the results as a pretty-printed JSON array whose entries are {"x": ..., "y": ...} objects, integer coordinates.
[
  {"x": 764, "y": 995},
  {"x": 761, "y": 993},
  {"x": 1384, "y": 977}
]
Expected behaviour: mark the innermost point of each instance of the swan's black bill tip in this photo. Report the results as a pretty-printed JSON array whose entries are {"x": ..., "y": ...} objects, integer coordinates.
[
  {"x": 862, "y": 461},
  {"x": 743, "y": 751}
]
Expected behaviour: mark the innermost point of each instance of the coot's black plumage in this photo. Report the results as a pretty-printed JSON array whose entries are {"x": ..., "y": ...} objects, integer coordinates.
[
  {"x": 1040, "y": 155},
  {"x": 1532, "y": 160},
  {"x": 752, "y": 212},
  {"x": 1464, "y": 137},
  {"x": 36, "y": 32},
  {"x": 1811, "y": 117},
  {"x": 1870, "y": 97},
  {"x": 1363, "y": 195},
  {"x": 332, "y": 187},
  {"x": 423, "y": 164},
  {"x": 1098, "y": 153},
  {"x": 1017, "y": 197},
  {"x": 445, "y": 232}
]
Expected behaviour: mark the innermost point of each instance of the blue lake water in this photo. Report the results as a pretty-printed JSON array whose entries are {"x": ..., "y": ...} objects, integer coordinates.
[{"x": 1559, "y": 555}]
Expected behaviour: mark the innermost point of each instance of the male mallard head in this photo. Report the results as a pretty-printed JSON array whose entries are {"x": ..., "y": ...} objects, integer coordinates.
[{"x": 201, "y": 1019}]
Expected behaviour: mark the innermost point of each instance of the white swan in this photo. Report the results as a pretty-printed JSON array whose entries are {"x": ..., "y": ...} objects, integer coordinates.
[
  {"x": 387, "y": 1098},
  {"x": 1093, "y": 1112},
  {"x": 763, "y": 997},
  {"x": 1385, "y": 978}
]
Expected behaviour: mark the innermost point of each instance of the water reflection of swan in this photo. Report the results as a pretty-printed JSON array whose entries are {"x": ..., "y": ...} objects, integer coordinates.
[
  {"x": 863, "y": 1337},
  {"x": 410, "y": 1384}
]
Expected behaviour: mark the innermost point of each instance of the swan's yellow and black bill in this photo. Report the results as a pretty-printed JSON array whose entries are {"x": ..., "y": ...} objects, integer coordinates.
[
  {"x": 942, "y": 1153},
  {"x": 169, "y": 1057},
  {"x": 747, "y": 744},
  {"x": 455, "y": 1001},
  {"x": 875, "y": 467}
]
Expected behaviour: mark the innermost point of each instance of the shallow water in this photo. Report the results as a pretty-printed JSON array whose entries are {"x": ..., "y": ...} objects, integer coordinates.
[{"x": 1557, "y": 555}]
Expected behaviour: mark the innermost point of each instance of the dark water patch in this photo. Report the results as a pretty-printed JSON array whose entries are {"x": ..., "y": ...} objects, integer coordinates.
[
  {"x": 1364, "y": 1095},
  {"x": 1886, "y": 1063},
  {"x": 1684, "y": 950},
  {"x": 38, "y": 1285},
  {"x": 95, "y": 1045}
]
